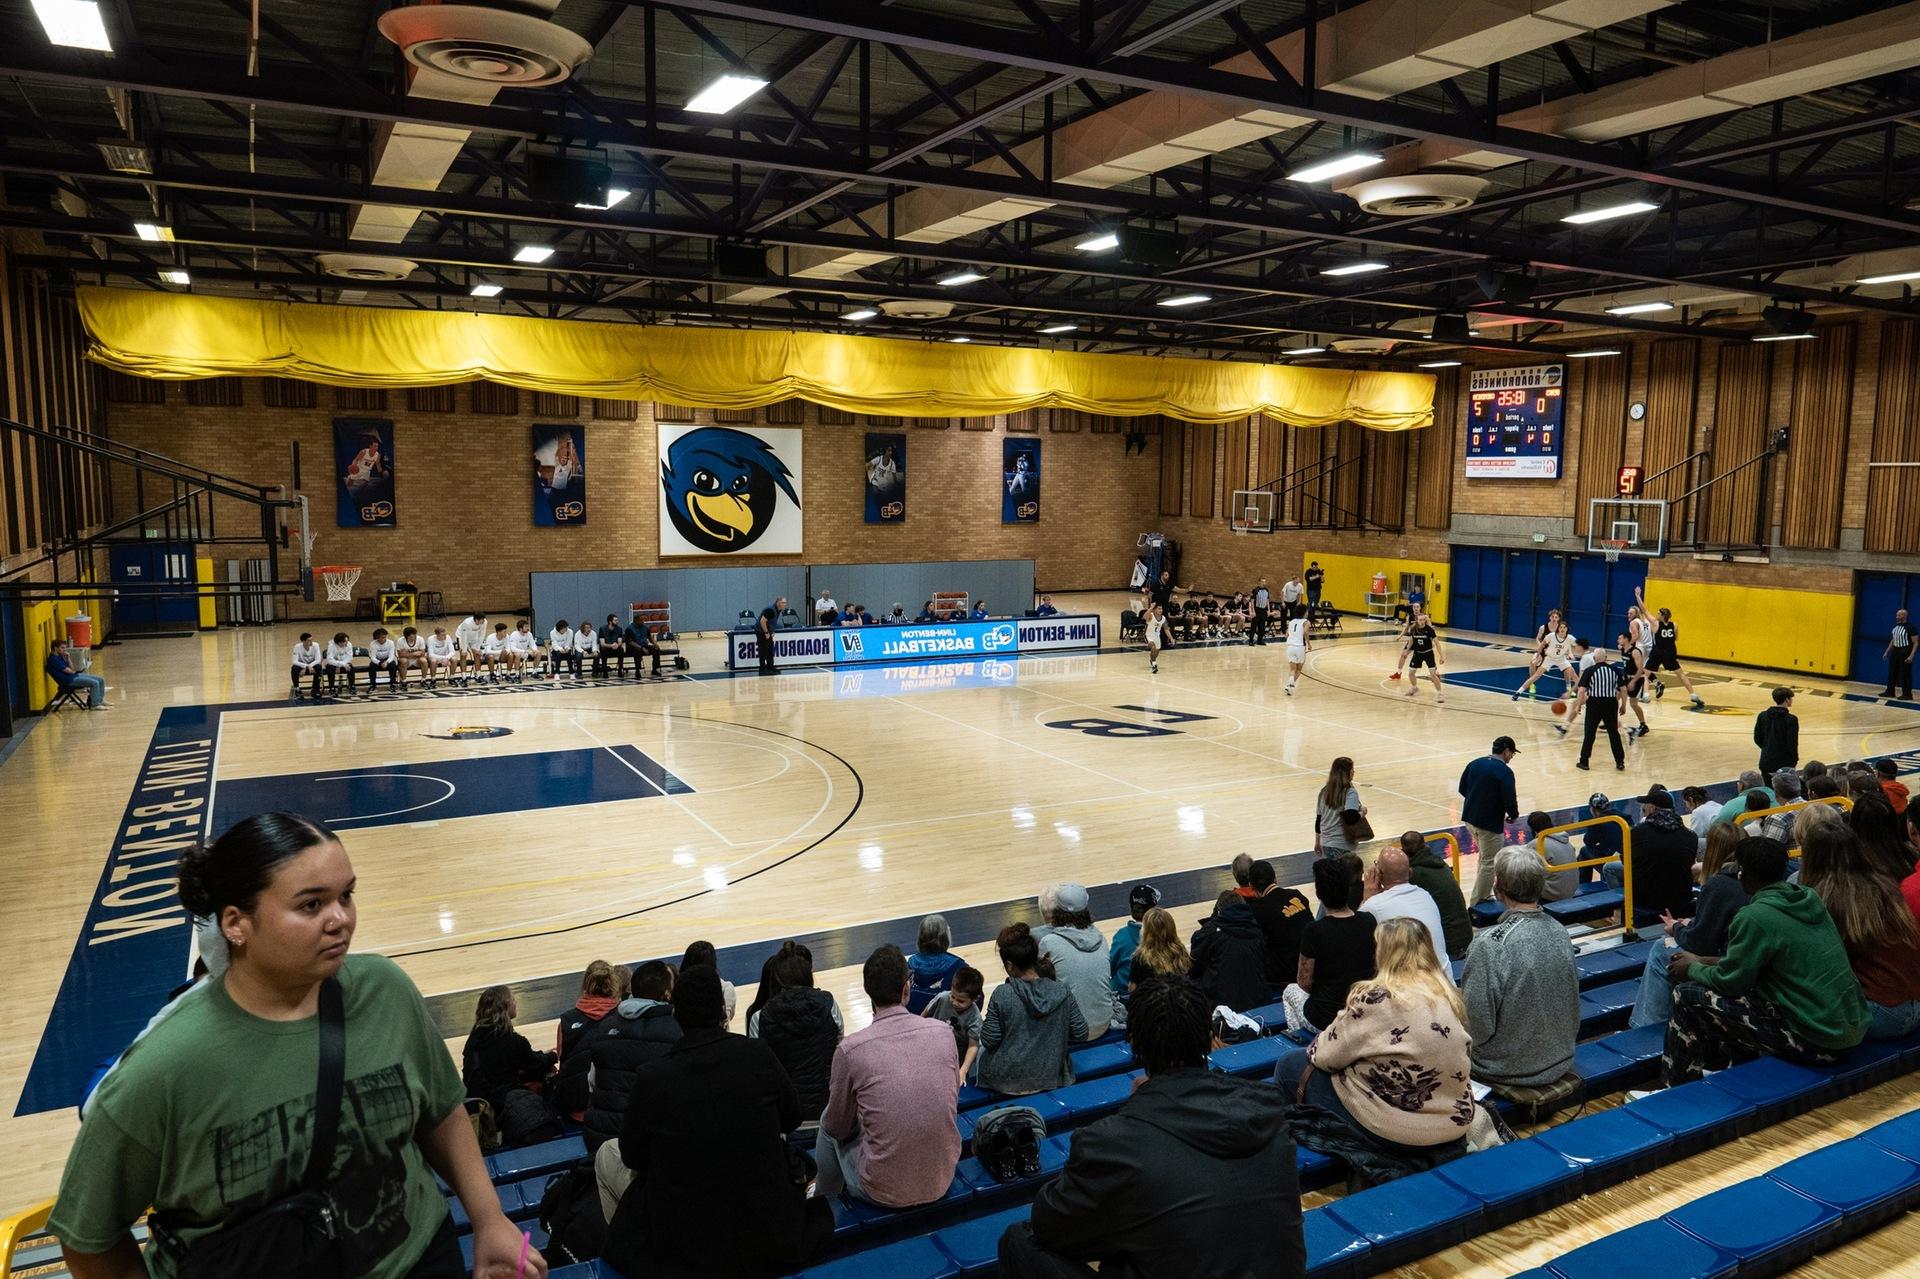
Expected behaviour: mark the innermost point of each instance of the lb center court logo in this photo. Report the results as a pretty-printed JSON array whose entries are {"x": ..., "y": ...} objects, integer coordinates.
[
  {"x": 999, "y": 637},
  {"x": 473, "y": 732},
  {"x": 721, "y": 488}
]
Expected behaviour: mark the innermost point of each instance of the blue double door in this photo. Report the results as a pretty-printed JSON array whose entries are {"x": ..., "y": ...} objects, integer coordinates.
[
  {"x": 1508, "y": 592},
  {"x": 162, "y": 594},
  {"x": 1876, "y": 598}
]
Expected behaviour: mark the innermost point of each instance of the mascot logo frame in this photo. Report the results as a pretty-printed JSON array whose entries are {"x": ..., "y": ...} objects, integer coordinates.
[{"x": 721, "y": 487}]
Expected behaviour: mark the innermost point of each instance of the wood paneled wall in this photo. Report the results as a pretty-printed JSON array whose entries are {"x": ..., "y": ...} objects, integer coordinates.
[
  {"x": 1603, "y": 432},
  {"x": 1386, "y": 464},
  {"x": 1734, "y": 510},
  {"x": 1237, "y": 470},
  {"x": 1673, "y": 376},
  {"x": 1206, "y": 444},
  {"x": 1816, "y": 462},
  {"x": 1433, "y": 487},
  {"x": 1173, "y": 464},
  {"x": 1893, "y": 492},
  {"x": 46, "y": 495}
]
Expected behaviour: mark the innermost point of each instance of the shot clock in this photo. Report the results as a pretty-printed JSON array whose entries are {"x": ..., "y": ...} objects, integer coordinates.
[{"x": 1515, "y": 419}]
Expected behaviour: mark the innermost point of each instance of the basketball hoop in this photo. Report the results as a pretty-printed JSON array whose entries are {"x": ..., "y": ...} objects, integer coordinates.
[
  {"x": 1612, "y": 548},
  {"x": 339, "y": 579}
]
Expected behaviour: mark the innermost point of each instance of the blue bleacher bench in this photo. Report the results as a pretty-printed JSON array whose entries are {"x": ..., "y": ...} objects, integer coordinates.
[{"x": 1768, "y": 1226}]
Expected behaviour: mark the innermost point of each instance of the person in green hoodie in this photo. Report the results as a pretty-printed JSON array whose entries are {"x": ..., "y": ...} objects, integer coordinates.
[{"x": 1784, "y": 988}]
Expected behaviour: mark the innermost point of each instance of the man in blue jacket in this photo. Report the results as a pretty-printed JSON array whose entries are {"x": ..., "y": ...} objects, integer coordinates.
[
  {"x": 1487, "y": 804},
  {"x": 59, "y": 668}
]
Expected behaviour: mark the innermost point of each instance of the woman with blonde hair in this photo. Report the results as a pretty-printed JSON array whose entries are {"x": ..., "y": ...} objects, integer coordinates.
[
  {"x": 1161, "y": 953},
  {"x": 1389, "y": 1077},
  {"x": 497, "y": 1058},
  {"x": 600, "y": 994},
  {"x": 1815, "y": 815},
  {"x": 1337, "y": 798}
]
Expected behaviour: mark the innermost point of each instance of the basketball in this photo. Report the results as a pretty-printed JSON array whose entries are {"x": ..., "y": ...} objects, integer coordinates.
[{"x": 1559, "y": 707}]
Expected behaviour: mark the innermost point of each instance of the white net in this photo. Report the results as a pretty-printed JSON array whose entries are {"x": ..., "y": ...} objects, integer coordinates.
[{"x": 339, "y": 580}]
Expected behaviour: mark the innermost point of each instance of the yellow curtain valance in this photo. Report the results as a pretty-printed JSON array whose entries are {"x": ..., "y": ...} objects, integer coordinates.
[{"x": 173, "y": 335}]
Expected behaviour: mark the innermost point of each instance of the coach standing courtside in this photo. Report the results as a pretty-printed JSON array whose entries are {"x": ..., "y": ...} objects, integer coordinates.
[
  {"x": 1487, "y": 804},
  {"x": 1601, "y": 683},
  {"x": 1899, "y": 657},
  {"x": 769, "y": 618},
  {"x": 1262, "y": 610}
]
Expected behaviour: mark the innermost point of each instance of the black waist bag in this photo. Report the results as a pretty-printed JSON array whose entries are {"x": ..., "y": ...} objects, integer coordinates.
[{"x": 297, "y": 1237}]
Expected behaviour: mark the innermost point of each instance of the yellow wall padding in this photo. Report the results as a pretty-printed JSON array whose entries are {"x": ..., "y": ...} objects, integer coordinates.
[
  {"x": 1350, "y": 577},
  {"x": 1748, "y": 625},
  {"x": 209, "y": 605},
  {"x": 173, "y": 335},
  {"x": 40, "y": 627}
]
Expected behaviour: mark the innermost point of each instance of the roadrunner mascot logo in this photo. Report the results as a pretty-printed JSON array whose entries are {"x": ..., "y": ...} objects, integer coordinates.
[{"x": 721, "y": 487}]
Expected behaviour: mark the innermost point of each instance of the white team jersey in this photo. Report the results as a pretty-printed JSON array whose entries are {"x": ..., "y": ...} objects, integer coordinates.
[
  {"x": 1297, "y": 633},
  {"x": 561, "y": 641},
  {"x": 470, "y": 635},
  {"x": 1290, "y": 592},
  {"x": 382, "y": 650},
  {"x": 1559, "y": 648},
  {"x": 1586, "y": 663},
  {"x": 586, "y": 641},
  {"x": 418, "y": 644},
  {"x": 1642, "y": 635},
  {"x": 361, "y": 469},
  {"x": 339, "y": 654},
  {"x": 440, "y": 648},
  {"x": 306, "y": 655},
  {"x": 1154, "y": 626}
]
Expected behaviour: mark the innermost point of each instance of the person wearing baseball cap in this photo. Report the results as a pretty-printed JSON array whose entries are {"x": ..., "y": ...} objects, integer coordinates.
[
  {"x": 1663, "y": 853},
  {"x": 1079, "y": 955},
  {"x": 1126, "y": 938},
  {"x": 1602, "y": 840},
  {"x": 1487, "y": 804}
]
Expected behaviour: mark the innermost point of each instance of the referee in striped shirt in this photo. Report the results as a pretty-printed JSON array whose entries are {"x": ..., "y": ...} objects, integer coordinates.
[{"x": 1601, "y": 684}]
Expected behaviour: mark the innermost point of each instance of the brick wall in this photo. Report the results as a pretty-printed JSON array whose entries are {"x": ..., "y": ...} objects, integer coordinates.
[{"x": 464, "y": 493}]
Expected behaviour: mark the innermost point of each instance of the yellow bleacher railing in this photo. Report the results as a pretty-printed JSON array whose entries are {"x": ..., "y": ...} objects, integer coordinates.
[
  {"x": 19, "y": 1226},
  {"x": 1842, "y": 801},
  {"x": 1625, "y": 859},
  {"x": 1452, "y": 841}
]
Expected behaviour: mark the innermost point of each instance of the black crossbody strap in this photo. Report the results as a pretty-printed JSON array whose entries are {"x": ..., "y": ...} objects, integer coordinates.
[{"x": 333, "y": 1074}]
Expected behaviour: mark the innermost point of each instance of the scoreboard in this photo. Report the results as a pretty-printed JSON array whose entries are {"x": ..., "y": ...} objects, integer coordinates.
[{"x": 1514, "y": 422}]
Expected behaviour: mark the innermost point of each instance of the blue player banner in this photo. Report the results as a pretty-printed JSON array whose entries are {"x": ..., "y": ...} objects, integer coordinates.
[
  {"x": 559, "y": 476},
  {"x": 1020, "y": 481},
  {"x": 363, "y": 465},
  {"x": 886, "y": 478}
]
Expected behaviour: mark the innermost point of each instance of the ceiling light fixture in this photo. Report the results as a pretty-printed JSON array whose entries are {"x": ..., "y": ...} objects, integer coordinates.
[
  {"x": 864, "y": 313},
  {"x": 176, "y": 276},
  {"x": 614, "y": 196},
  {"x": 961, "y": 338},
  {"x": 725, "y": 93},
  {"x": 74, "y": 23},
  {"x": 1355, "y": 268},
  {"x": 960, "y": 277},
  {"x": 1441, "y": 364},
  {"x": 1609, "y": 212},
  {"x": 1306, "y": 350},
  {"x": 487, "y": 290},
  {"x": 1639, "y": 308},
  {"x": 1892, "y": 277},
  {"x": 1185, "y": 299},
  {"x": 1334, "y": 166},
  {"x": 1099, "y": 243},
  {"x": 1059, "y": 328},
  {"x": 152, "y": 231},
  {"x": 1783, "y": 337},
  {"x": 534, "y": 253},
  {"x": 1593, "y": 354}
]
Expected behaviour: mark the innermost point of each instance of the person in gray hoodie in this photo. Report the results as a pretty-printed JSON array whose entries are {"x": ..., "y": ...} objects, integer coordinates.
[
  {"x": 1079, "y": 955},
  {"x": 1032, "y": 1022},
  {"x": 1561, "y": 884}
]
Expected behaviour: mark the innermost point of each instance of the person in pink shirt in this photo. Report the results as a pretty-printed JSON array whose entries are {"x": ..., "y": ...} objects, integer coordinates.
[{"x": 887, "y": 1134}]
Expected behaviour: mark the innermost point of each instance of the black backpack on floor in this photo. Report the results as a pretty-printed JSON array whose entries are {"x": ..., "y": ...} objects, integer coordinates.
[
  {"x": 524, "y": 1118},
  {"x": 570, "y": 1214}
]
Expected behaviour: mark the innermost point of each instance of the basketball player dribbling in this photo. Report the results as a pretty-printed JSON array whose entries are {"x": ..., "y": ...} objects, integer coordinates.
[
  {"x": 1298, "y": 642},
  {"x": 1665, "y": 655},
  {"x": 1556, "y": 654},
  {"x": 1156, "y": 625},
  {"x": 1423, "y": 649}
]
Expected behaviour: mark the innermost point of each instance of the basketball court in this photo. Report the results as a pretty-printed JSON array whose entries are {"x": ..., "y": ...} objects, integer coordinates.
[{"x": 512, "y": 834}]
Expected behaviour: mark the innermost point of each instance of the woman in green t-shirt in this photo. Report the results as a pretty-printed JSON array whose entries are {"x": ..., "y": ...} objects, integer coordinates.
[{"x": 208, "y": 1117}]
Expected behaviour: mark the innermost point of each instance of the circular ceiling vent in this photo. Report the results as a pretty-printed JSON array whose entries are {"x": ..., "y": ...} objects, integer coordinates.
[
  {"x": 917, "y": 309},
  {"x": 1415, "y": 195},
  {"x": 365, "y": 266},
  {"x": 495, "y": 46}
]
